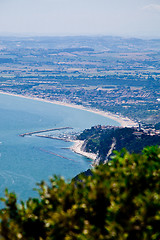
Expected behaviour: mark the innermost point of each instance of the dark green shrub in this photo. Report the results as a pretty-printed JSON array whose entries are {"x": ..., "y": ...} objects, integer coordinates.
[{"x": 120, "y": 201}]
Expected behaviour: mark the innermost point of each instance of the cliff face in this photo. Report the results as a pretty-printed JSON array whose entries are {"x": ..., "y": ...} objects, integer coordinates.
[
  {"x": 104, "y": 140},
  {"x": 84, "y": 146}
]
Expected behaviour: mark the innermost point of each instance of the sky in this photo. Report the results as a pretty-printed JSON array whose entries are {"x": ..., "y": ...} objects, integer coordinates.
[{"x": 128, "y": 18}]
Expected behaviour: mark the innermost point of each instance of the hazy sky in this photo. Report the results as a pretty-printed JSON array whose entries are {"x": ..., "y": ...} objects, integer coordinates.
[{"x": 139, "y": 18}]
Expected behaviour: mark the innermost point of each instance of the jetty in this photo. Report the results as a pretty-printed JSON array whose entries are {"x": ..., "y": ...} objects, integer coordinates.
[
  {"x": 55, "y": 138},
  {"x": 46, "y": 130}
]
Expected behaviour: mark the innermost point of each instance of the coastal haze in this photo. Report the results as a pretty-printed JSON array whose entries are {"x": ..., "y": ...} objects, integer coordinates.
[{"x": 139, "y": 18}]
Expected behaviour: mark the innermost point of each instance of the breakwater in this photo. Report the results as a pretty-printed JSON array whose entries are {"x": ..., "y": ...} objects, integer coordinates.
[
  {"x": 46, "y": 130},
  {"x": 57, "y": 155},
  {"x": 55, "y": 138}
]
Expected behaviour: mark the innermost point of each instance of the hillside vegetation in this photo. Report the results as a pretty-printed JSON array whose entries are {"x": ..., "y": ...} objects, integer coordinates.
[
  {"x": 100, "y": 140},
  {"x": 120, "y": 201}
]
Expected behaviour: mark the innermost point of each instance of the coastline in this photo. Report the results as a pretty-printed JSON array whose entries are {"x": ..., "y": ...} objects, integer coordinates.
[
  {"x": 77, "y": 149},
  {"x": 123, "y": 121},
  {"x": 77, "y": 144}
]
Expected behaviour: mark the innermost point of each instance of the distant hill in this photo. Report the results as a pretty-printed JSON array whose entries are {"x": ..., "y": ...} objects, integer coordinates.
[{"x": 103, "y": 140}]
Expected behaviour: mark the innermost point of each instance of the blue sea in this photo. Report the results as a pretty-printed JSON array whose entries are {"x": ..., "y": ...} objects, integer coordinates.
[{"x": 24, "y": 161}]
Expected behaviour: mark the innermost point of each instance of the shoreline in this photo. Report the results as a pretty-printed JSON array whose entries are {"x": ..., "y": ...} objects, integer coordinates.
[
  {"x": 77, "y": 149},
  {"x": 123, "y": 121},
  {"x": 77, "y": 144}
]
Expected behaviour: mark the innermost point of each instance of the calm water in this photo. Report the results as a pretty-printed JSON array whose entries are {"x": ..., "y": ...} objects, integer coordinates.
[{"x": 24, "y": 161}]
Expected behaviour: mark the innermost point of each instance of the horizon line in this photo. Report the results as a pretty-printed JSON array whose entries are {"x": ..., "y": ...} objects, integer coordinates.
[{"x": 27, "y": 35}]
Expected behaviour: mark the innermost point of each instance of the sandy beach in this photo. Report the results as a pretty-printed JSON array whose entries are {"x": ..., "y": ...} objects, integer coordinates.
[
  {"x": 77, "y": 149},
  {"x": 123, "y": 121}
]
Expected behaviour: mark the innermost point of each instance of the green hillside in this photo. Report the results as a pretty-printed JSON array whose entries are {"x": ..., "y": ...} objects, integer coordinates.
[{"x": 101, "y": 140}]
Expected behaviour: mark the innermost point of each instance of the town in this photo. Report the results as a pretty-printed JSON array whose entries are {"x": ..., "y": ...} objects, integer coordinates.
[{"x": 106, "y": 73}]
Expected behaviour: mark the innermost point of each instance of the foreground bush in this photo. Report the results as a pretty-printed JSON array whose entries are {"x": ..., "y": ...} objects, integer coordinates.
[{"x": 120, "y": 201}]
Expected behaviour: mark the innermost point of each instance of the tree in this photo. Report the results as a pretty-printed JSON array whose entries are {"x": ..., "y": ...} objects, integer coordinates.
[{"x": 121, "y": 200}]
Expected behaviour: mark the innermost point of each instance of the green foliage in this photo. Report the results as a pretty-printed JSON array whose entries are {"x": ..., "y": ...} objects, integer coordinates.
[
  {"x": 99, "y": 140},
  {"x": 121, "y": 200}
]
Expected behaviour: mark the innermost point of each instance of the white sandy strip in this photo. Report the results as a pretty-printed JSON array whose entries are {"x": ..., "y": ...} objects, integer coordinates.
[
  {"x": 124, "y": 122},
  {"x": 77, "y": 149}
]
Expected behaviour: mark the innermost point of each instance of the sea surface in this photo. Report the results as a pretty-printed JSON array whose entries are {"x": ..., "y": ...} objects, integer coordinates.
[{"x": 24, "y": 161}]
